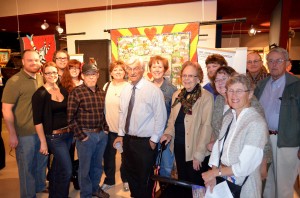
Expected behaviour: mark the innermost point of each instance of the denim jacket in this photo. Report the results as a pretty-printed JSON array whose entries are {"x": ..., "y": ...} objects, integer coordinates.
[
  {"x": 289, "y": 117},
  {"x": 168, "y": 89}
]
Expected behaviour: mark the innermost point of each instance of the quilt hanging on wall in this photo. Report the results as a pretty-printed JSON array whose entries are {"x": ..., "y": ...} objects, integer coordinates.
[
  {"x": 45, "y": 45},
  {"x": 177, "y": 43}
]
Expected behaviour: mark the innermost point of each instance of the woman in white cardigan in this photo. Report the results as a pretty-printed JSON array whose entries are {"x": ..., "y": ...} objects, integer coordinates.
[
  {"x": 189, "y": 125},
  {"x": 246, "y": 137}
]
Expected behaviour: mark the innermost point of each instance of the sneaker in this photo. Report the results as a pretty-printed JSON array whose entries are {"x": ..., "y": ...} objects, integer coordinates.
[
  {"x": 125, "y": 186},
  {"x": 101, "y": 194},
  {"x": 106, "y": 187}
]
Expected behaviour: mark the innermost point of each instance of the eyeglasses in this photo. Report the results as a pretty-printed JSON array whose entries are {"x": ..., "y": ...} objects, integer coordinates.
[
  {"x": 50, "y": 73},
  {"x": 61, "y": 58},
  {"x": 129, "y": 69},
  {"x": 277, "y": 61},
  {"x": 253, "y": 62},
  {"x": 188, "y": 76},
  {"x": 237, "y": 92},
  {"x": 217, "y": 81}
]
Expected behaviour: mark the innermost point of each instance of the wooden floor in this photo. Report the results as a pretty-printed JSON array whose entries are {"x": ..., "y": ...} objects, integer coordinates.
[{"x": 9, "y": 182}]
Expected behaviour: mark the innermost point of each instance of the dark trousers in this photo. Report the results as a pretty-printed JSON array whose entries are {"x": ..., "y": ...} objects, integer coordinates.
[
  {"x": 61, "y": 166},
  {"x": 185, "y": 169},
  {"x": 110, "y": 161},
  {"x": 138, "y": 161}
]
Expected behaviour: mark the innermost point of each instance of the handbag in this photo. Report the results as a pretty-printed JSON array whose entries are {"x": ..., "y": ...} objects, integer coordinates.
[{"x": 234, "y": 188}]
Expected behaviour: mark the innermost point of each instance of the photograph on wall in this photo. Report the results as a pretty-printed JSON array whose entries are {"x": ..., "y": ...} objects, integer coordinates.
[{"x": 4, "y": 56}]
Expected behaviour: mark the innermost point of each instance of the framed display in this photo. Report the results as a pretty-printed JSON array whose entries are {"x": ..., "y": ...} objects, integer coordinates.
[
  {"x": 4, "y": 56},
  {"x": 78, "y": 57}
]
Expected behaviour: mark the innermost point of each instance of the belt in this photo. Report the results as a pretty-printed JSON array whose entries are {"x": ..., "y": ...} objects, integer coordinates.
[
  {"x": 273, "y": 132},
  {"x": 92, "y": 130},
  {"x": 136, "y": 137},
  {"x": 60, "y": 131}
]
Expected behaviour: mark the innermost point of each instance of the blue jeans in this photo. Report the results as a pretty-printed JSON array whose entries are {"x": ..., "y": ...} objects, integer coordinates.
[
  {"x": 61, "y": 167},
  {"x": 32, "y": 166},
  {"x": 167, "y": 161},
  {"x": 90, "y": 155}
]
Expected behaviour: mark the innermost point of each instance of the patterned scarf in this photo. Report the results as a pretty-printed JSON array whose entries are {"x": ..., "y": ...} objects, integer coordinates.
[{"x": 188, "y": 99}]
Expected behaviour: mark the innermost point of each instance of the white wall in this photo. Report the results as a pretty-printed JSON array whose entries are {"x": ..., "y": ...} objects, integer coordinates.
[{"x": 94, "y": 23}]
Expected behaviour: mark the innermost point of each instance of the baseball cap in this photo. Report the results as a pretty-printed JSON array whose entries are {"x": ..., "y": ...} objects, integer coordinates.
[{"x": 89, "y": 68}]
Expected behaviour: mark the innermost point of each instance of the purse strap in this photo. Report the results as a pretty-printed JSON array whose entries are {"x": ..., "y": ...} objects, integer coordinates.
[
  {"x": 225, "y": 136},
  {"x": 106, "y": 88}
]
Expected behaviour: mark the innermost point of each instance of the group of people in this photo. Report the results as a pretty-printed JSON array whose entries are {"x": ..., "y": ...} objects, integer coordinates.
[{"x": 243, "y": 128}]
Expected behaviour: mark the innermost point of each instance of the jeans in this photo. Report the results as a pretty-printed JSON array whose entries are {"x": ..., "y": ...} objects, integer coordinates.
[
  {"x": 31, "y": 165},
  {"x": 61, "y": 167},
  {"x": 110, "y": 161},
  {"x": 90, "y": 154},
  {"x": 167, "y": 160}
]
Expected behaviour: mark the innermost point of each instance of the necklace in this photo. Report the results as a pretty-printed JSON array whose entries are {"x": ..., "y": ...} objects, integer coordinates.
[{"x": 116, "y": 88}]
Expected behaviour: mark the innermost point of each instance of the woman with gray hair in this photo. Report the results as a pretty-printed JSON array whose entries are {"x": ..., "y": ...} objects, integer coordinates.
[
  {"x": 237, "y": 154},
  {"x": 189, "y": 125}
]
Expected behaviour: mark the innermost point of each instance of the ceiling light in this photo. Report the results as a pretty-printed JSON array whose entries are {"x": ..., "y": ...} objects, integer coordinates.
[
  {"x": 252, "y": 31},
  {"x": 59, "y": 29},
  {"x": 45, "y": 25}
]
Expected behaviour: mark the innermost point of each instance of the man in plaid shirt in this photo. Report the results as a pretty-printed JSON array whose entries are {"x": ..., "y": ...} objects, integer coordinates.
[{"x": 86, "y": 119}]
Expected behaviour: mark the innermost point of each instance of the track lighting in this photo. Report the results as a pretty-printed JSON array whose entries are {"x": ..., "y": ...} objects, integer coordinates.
[
  {"x": 252, "y": 31},
  {"x": 45, "y": 25},
  {"x": 59, "y": 29}
]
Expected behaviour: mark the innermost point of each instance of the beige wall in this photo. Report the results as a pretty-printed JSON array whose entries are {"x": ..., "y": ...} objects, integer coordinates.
[
  {"x": 94, "y": 23},
  {"x": 9, "y": 7}
]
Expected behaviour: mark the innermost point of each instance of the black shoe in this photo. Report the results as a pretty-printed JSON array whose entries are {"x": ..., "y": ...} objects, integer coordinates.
[{"x": 101, "y": 193}]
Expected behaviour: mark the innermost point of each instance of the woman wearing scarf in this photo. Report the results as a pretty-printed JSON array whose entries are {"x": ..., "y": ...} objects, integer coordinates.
[{"x": 189, "y": 125}]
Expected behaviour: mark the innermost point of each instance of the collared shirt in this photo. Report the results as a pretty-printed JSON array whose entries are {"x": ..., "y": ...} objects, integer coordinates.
[
  {"x": 86, "y": 110},
  {"x": 271, "y": 101},
  {"x": 149, "y": 114},
  {"x": 18, "y": 91}
]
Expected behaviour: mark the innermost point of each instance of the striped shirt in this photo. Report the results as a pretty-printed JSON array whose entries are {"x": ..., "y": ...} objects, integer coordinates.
[{"x": 86, "y": 110}]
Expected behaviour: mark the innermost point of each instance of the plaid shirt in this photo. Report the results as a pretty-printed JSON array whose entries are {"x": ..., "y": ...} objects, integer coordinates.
[
  {"x": 86, "y": 110},
  {"x": 260, "y": 76}
]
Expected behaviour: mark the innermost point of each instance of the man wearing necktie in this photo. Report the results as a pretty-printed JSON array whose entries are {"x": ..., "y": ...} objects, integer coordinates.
[{"x": 142, "y": 120}]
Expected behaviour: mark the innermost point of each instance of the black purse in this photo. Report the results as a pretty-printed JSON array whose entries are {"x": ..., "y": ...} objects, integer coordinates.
[{"x": 234, "y": 189}]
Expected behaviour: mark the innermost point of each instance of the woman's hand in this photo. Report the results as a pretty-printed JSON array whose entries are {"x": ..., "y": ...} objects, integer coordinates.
[
  {"x": 118, "y": 139},
  {"x": 209, "y": 178},
  {"x": 210, "y": 146},
  {"x": 264, "y": 169},
  {"x": 44, "y": 148},
  {"x": 166, "y": 137},
  {"x": 196, "y": 164}
]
